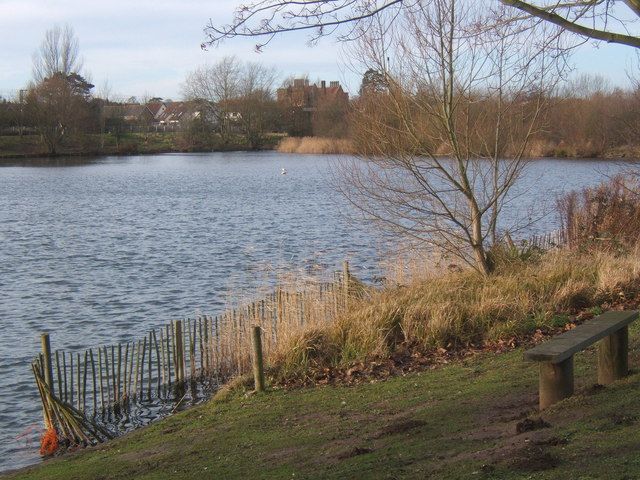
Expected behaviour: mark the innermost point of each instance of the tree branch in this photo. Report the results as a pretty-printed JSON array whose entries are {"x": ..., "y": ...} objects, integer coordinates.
[{"x": 609, "y": 37}]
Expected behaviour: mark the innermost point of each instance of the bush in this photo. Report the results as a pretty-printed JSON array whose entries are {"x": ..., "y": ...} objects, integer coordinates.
[{"x": 604, "y": 217}]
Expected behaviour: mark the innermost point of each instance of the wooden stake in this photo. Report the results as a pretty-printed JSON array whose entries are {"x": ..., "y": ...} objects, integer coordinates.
[
  {"x": 155, "y": 343},
  {"x": 150, "y": 369},
  {"x": 125, "y": 387},
  {"x": 64, "y": 369},
  {"x": 95, "y": 390},
  {"x": 144, "y": 351},
  {"x": 79, "y": 384},
  {"x": 114, "y": 374},
  {"x": 59, "y": 373},
  {"x": 135, "y": 380},
  {"x": 46, "y": 353},
  {"x": 84, "y": 381},
  {"x": 164, "y": 360},
  {"x": 345, "y": 283},
  {"x": 130, "y": 371},
  {"x": 106, "y": 367},
  {"x": 101, "y": 379},
  {"x": 258, "y": 362},
  {"x": 169, "y": 356},
  {"x": 71, "y": 378},
  {"x": 179, "y": 352},
  {"x": 119, "y": 376}
]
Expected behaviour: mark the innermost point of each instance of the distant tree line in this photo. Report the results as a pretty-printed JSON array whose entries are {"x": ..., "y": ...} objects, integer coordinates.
[
  {"x": 231, "y": 99},
  {"x": 582, "y": 117}
]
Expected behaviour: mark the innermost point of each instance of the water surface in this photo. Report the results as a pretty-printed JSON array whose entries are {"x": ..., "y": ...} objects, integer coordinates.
[{"x": 101, "y": 251}]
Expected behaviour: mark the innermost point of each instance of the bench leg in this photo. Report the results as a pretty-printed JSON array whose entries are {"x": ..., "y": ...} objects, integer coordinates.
[
  {"x": 556, "y": 382},
  {"x": 613, "y": 357}
]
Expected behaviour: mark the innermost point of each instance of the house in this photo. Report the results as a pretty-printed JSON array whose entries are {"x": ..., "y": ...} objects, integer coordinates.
[
  {"x": 312, "y": 109},
  {"x": 177, "y": 113},
  {"x": 133, "y": 113},
  {"x": 301, "y": 94}
]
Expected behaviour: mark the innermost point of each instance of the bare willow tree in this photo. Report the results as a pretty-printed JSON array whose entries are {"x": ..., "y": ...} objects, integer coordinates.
[
  {"x": 59, "y": 52},
  {"x": 607, "y": 21}
]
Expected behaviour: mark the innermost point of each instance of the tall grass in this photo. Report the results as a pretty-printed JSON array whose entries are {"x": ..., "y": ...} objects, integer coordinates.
[
  {"x": 459, "y": 308},
  {"x": 318, "y": 145}
]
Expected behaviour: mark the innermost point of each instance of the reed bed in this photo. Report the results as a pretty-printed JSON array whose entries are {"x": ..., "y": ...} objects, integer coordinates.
[
  {"x": 80, "y": 390},
  {"x": 315, "y": 145}
]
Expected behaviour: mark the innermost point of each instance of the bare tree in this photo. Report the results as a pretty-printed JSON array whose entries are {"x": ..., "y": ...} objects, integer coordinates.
[
  {"x": 592, "y": 19},
  {"x": 255, "y": 102},
  {"x": 59, "y": 52},
  {"x": 444, "y": 144},
  {"x": 234, "y": 93},
  {"x": 214, "y": 87}
]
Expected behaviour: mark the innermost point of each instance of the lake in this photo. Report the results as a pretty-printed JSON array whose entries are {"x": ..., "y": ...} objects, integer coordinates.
[{"x": 102, "y": 250}]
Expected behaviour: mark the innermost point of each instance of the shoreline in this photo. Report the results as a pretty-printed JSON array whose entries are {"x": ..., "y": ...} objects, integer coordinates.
[
  {"x": 44, "y": 157},
  {"x": 13, "y": 148}
]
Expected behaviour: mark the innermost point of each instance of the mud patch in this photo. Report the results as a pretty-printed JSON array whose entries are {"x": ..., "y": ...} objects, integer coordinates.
[
  {"x": 533, "y": 459},
  {"x": 550, "y": 441},
  {"x": 623, "y": 420},
  {"x": 398, "y": 427},
  {"x": 354, "y": 452},
  {"x": 594, "y": 389},
  {"x": 531, "y": 424}
]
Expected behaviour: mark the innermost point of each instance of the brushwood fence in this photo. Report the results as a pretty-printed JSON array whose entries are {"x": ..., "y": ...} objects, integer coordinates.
[{"x": 82, "y": 391}]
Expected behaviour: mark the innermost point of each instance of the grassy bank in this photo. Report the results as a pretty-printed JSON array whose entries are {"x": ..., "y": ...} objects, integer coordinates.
[
  {"x": 403, "y": 428},
  {"x": 14, "y": 146},
  {"x": 461, "y": 309}
]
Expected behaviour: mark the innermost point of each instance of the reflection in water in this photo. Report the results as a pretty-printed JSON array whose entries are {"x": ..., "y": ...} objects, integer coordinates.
[{"x": 105, "y": 249}]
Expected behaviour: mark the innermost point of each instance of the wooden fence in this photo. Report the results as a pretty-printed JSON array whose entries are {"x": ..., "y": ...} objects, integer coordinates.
[{"x": 78, "y": 388}]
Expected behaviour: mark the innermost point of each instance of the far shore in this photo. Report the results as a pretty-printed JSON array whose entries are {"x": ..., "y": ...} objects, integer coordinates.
[{"x": 29, "y": 147}]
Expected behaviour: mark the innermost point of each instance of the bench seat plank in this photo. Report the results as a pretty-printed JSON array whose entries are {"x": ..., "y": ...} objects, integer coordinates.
[{"x": 563, "y": 346}]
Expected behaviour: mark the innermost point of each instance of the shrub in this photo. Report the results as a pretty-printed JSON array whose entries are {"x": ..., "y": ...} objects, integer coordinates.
[{"x": 603, "y": 217}]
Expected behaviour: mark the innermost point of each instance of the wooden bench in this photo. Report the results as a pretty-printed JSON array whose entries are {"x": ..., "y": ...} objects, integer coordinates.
[{"x": 556, "y": 355}]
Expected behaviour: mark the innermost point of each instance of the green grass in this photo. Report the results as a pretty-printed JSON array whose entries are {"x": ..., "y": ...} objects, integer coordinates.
[{"x": 456, "y": 422}]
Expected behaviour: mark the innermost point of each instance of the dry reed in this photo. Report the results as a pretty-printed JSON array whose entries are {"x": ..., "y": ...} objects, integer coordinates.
[
  {"x": 458, "y": 308},
  {"x": 317, "y": 145}
]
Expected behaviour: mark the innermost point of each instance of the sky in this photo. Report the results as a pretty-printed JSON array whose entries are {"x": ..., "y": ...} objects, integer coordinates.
[{"x": 146, "y": 48}]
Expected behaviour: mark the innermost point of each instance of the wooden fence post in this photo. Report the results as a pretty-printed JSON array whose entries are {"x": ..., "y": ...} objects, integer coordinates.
[
  {"x": 46, "y": 354},
  {"x": 345, "y": 282},
  {"x": 258, "y": 362},
  {"x": 179, "y": 352}
]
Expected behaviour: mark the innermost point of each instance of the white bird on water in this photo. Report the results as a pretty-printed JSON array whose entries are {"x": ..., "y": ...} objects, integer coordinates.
[{"x": 283, "y": 171}]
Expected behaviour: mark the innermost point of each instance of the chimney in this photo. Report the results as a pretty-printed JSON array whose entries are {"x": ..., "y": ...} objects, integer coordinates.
[
  {"x": 324, "y": 85},
  {"x": 334, "y": 84}
]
